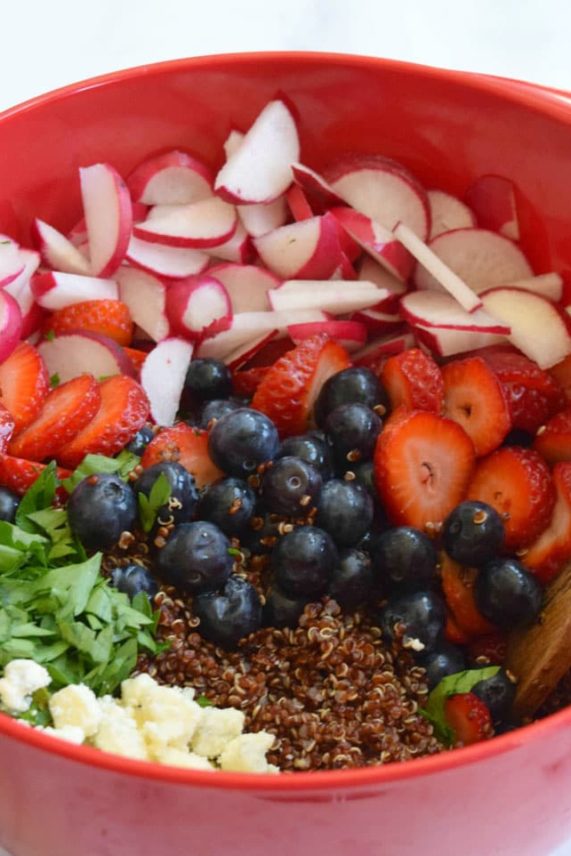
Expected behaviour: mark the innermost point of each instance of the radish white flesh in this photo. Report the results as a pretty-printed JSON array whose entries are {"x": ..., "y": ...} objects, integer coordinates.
[
  {"x": 32, "y": 314},
  {"x": 378, "y": 323},
  {"x": 432, "y": 266},
  {"x": 448, "y": 212},
  {"x": 11, "y": 262},
  {"x": 482, "y": 259},
  {"x": 385, "y": 347},
  {"x": 241, "y": 355},
  {"x": 309, "y": 249},
  {"x": 493, "y": 199},
  {"x": 232, "y": 143},
  {"x": 433, "y": 309},
  {"x": 162, "y": 377},
  {"x": 145, "y": 295},
  {"x": 58, "y": 252},
  {"x": 55, "y": 290},
  {"x": 198, "y": 306},
  {"x": 374, "y": 272},
  {"x": 447, "y": 343},
  {"x": 73, "y": 354},
  {"x": 173, "y": 178},
  {"x": 108, "y": 217},
  {"x": 247, "y": 286},
  {"x": 207, "y": 223},
  {"x": 537, "y": 327},
  {"x": 338, "y": 296},
  {"x": 315, "y": 186},
  {"x": 259, "y": 170},
  {"x": 248, "y": 326},
  {"x": 260, "y": 219},
  {"x": 171, "y": 262},
  {"x": 377, "y": 241},
  {"x": 31, "y": 262},
  {"x": 10, "y": 324},
  {"x": 238, "y": 249},
  {"x": 350, "y": 334},
  {"x": 548, "y": 285}
]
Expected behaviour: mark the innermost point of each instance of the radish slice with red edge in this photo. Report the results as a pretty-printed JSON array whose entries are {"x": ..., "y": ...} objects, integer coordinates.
[
  {"x": 377, "y": 242},
  {"x": 203, "y": 224},
  {"x": 57, "y": 251},
  {"x": 447, "y": 343},
  {"x": 377, "y": 322},
  {"x": 447, "y": 212},
  {"x": 493, "y": 199},
  {"x": 246, "y": 327},
  {"x": 10, "y": 324},
  {"x": 298, "y": 205},
  {"x": 239, "y": 249},
  {"x": 172, "y": 178},
  {"x": 309, "y": 249},
  {"x": 350, "y": 334},
  {"x": 170, "y": 262},
  {"x": 548, "y": 285},
  {"x": 337, "y": 296},
  {"x": 396, "y": 289},
  {"x": 11, "y": 261},
  {"x": 198, "y": 307},
  {"x": 244, "y": 353},
  {"x": 55, "y": 290},
  {"x": 433, "y": 309},
  {"x": 262, "y": 218},
  {"x": 72, "y": 354},
  {"x": 146, "y": 296},
  {"x": 232, "y": 143},
  {"x": 247, "y": 286},
  {"x": 108, "y": 217},
  {"x": 345, "y": 270},
  {"x": 162, "y": 377},
  {"x": 382, "y": 348},
  {"x": 319, "y": 194}
]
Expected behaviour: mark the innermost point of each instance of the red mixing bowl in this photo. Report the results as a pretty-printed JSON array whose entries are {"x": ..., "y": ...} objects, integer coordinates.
[{"x": 508, "y": 796}]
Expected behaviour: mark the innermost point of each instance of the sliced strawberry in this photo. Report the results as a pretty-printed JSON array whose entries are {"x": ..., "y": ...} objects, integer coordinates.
[
  {"x": 24, "y": 385},
  {"x": 187, "y": 446},
  {"x": 469, "y": 718},
  {"x": 19, "y": 475},
  {"x": 6, "y": 427},
  {"x": 474, "y": 398},
  {"x": 488, "y": 650},
  {"x": 533, "y": 395},
  {"x": 272, "y": 351},
  {"x": 288, "y": 391},
  {"x": 423, "y": 465},
  {"x": 547, "y": 556},
  {"x": 137, "y": 357},
  {"x": 562, "y": 375},
  {"x": 123, "y": 410},
  {"x": 413, "y": 380},
  {"x": 458, "y": 588},
  {"x": 453, "y": 633},
  {"x": 246, "y": 381},
  {"x": 517, "y": 483},
  {"x": 109, "y": 317},
  {"x": 67, "y": 409},
  {"x": 553, "y": 440}
]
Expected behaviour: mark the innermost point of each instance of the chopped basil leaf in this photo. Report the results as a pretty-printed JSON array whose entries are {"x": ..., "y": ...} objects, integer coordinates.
[
  {"x": 461, "y": 682},
  {"x": 50, "y": 335},
  {"x": 55, "y": 380},
  {"x": 149, "y": 506},
  {"x": 91, "y": 465},
  {"x": 203, "y": 701}
]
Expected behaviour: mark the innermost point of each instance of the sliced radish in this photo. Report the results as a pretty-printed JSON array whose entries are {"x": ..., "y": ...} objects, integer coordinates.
[
  {"x": 378, "y": 323},
  {"x": 173, "y": 178},
  {"x": 447, "y": 213},
  {"x": 198, "y": 306},
  {"x": 246, "y": 327},
  {"x": 162, "y": 377},
  {"x": 434, "y": 267},
  {"x": 78, "y": 233},
  {"x": 493, "y": 199},
  {"x": 318, "y": 191},
  {"x": 232, "y": 143},
  {"x": 350, "y": 334},
  {"x": 377, "y": 241},
  {"x": 548, "y": 285},
  {"x": 260, "y": 219},
  {"x": 10, "y": 324},
  {"x": 309, "y": 249},
  {"x": 55, "y": 290},
  {"x": 73, "y": 354},
  {"x": 207, "y": 223},
  {"x": 247, "y": 286},
  {"x": 345, "y": 270},
  {"x": 238, "y": 249},
  {"x": 238, "y": 358},
  {"x": 537, "y": 327},
  {"x": 108, "y": 217},
  {"x": 298, "y": 204},
  {"x": 170, "y": 262},
  {"x": 374, "y": 272},
  {"x": 11, "y": 262},
  {"x": 33, "y": 315},
  {"x": 482, "y": 259},
  {"x": 379, "y": 349},
  {"x": 259, "y": 170},
  {"x": 338, "y": 296},
  {"x": 57, "y": 251},
  {"x": 447, "y": 343},
  {"x": 31, "y": 262},
  {"x": 434, "y": 309},
  {"x": 145, "y": 295}
]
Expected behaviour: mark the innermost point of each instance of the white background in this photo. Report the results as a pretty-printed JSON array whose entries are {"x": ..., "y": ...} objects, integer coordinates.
[{"x": 49, "y": 43}]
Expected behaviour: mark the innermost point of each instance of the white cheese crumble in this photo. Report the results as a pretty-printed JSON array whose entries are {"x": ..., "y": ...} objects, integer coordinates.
[
  {"x": 76, "y": 706},
  {"x": 22, "y": 678},
  {"x": 247, "y": 754},
  {"x": 217, "y": 727}
]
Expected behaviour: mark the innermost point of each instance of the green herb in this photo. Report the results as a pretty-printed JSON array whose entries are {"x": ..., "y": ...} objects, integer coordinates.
[
  {"x": 149, "y": 506},
  {"x": 55, "y": 380},
  {"x": 461, "y": 682},
  {"x": 91, "y": 465},
  {"x": 203, "y": 701},
  {"x": 233, "y": 551},
  {"x": 50, "y": 335},
  {"x": 41, "y": 495},
  {"x": 39, "y": 713}
]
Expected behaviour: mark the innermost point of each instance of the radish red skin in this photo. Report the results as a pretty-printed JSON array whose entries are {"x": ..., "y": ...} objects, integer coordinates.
[{"x": 179, "y": 297}]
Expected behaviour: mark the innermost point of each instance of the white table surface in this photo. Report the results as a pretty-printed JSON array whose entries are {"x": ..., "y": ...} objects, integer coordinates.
[{"x": 50, "y": 44}]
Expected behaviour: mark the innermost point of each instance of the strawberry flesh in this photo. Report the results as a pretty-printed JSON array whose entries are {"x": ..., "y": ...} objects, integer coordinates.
[
  {"x": 19, "y": 475},
  {"x": 186, "y": 446},
  {"x": 413, "y": 380},
  {"x": 469, "y": 718},
  {"x": 24, "y": 385},
  {"x": 6, "y": 427},
  {"x": 458, "y": 588},
  {"x": 553, "y": 440},
  {"x": 548, "y": 555},
  {"x": 110, "y": 318}
]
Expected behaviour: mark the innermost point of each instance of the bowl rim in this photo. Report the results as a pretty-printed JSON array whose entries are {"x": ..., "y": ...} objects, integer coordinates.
[{"x": 545, "y": 100}]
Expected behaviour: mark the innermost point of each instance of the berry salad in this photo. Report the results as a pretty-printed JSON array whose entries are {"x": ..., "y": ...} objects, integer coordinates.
[{"x": 285, "y": 460}]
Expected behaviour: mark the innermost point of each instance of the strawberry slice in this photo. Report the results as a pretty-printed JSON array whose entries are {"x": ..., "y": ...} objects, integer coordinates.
[
  {"x": 109, "y": 317},
  {"x": 413, "y": 380},
  {"x": 246, "y": 381},
  {"x": 553, "y": 440},
  {"x": 547, "y": 556},
  {"x": 288, "y": 391},
  {"x": 423, "y": 465},
  {"x": 488, "y": 650},
  {"x": 67, "y": 409},
  {"x": 562, "y": 375},
  {"x": 453, "y": 633},
  {"x": 24, "y": 385},
  {"x": 469, "y": 718},
  {"x": 517, "y": 483},
  {"x": 188, "y": 447},
  {"x": 123, "y": 410},
  {"x": 6, "y": 427},
  {"x": 474, "y": 398},
  {"x": 137, "y": 357},
  {"x": 458, "y": 588},
  {"x": 19, "y": 475}
]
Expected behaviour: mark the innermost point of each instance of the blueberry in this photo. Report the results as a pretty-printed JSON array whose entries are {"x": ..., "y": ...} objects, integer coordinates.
[
  {"x": 291, "y": 487},
  {"x": 229, "y": 615},
  {"x": 133, "y": 579},
  {"x": 281, "y": 610},
  {"x": 352, "y": 579},
  {"x": 421, "y": 616},
  {"x": 99, "y": 509},
  {"x": 445, "y": 660},
  {"x": 141, "y": 440},
  {"x": 9, "y": 503},
  {"x": 303, "y": 561},
  {"x": 312, "y": 448},
  {"x": 507, "y": 594},
  {"x": 241, "y": 441},
  {"x": 207, "y": 379},
  {"x": 345, "y": 510},
  {"x": 498, "y": 694},
  {"x": 213, "y": 410},
  {"x": 351, "y": 386},
  {"x": 261, "y": 539},
  {"x": 352, "y": 430},
  {"x": 229, "y": 503},
  {"x": 406, "y": 557},
  {"x": 195, "y": 557},
  {"x": 183, "y": 492},
  {"x": 473, "y": 533},
  {"x": 365, "y": 475}
]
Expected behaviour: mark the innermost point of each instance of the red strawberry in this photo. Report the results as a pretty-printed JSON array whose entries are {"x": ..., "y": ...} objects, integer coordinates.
[
  {"x": 272, "y": 351},
  {"x": 453, "y": 633},
  {"x": 423, "y": 465},
  {"x": 458, "y": 588},
  {"x": 19, "y": 475},
  {"x": 562, "y": 374},
  {"x": 67, "y": 409},
  {"x": 553, "y": 440},
  {"x": 109, "y": 317},
  {"x": 547, "y": 556},
  {"x": 488, "y": 650},
  {"x": 412, "y": 379},
  {"x": 474, "y": 398},
  {"x": 6, "y": 427},
  {"x": 469, "y": 718},
  {"x": 288, "y": 391},
  {"x": 533, "y": 395},
  {"x": 517, "y": 483},
  {"x": 246, "y": 381},
  {"x": 123, "y": 410},
  {"x": 187, "y": 446},
  {"x": 137, "y": 357},
  {"x": 24, "y": 385}
]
